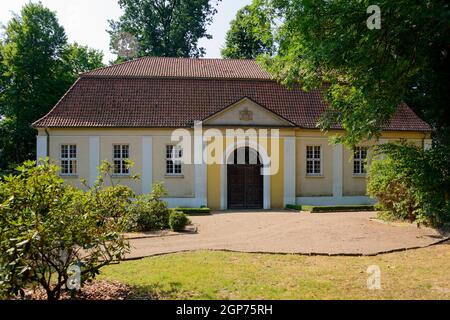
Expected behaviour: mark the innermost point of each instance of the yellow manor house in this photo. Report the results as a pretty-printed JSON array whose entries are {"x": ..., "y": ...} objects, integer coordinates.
[{"x": 218, "y": 133}]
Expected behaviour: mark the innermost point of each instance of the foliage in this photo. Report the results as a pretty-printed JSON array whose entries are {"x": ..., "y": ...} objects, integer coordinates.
[
  {"x": 342, "y": 208},
  {"x": 78, "y": 59},
  {"x": 365, "y": 73},
  {"x": 149, "y": 212},
  {"x": 338, "y": 208},
  {"x": 48, "y": 227},
  {"x": 250, "y": 33},
  {"x": 294, "y": 207},
  {"x": 162, "y": 28},
  {"x": 177, "y": 220},
  {"x": 37, "y": 66},
  {"x": 391, "y": 188},
  {"x": 32, "y": 43},
  {"x": 195, "y": 211},
  {"x": 411, "y": 183}
]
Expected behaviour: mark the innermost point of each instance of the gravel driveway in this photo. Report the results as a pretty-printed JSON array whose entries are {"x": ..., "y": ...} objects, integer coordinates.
[{"x": 290, "y": 232}]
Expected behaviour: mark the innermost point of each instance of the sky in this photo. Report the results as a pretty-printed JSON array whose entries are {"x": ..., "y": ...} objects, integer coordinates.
[{"x": 86, "y": 21}]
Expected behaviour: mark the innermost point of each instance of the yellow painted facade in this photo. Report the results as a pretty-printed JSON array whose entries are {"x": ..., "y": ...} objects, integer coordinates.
[
  {"x": 214, "y": 175},
  {"x": 185, "y": 186},
  {"x": 214, "y": 187}
]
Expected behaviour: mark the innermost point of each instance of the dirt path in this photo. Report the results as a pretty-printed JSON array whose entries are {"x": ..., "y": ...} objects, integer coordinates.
[{"x": 290, "y": 232}]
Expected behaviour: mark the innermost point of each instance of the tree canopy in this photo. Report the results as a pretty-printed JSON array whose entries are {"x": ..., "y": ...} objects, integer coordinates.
[
  {"x": 38, "y": 66},
  {"x": 250, "y": 33},
  {"x": 364, "y": 72},
  {"x": 78, "y": 59},
  {"x": 166, "y": 28}
]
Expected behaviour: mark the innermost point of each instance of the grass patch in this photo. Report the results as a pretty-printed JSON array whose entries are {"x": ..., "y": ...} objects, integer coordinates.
[
  {"x": 343, "y": 208},
  {"x": 414, "y": 274},
  {"x": 195, "y": 211}
]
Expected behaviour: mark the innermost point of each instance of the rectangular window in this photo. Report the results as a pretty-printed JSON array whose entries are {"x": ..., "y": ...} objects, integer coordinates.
[
  {"x": 68, "y": 159},
  {"x": 313, "y": 160},
  {"x": 121, "y": 153},
  {"x": 173, "y": 159},
  {"x": 359, "y": 160}
]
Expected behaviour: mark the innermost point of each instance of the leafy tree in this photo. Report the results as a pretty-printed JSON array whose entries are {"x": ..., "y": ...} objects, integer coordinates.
[
  {"x": 78, "y": 59},
  {"x": 2, "y": 72},
  {"x": 429, "y": 95},
  {"x": 38, "y": 66},
  {"x": 2, "y": 119},
  {"x": 48, "y": 228},
  {"x": 364, "y": 72},
  {"x": 33, "y": 42},
  {"x": 250, "y": 34},
  {"x": 169, "y": 28}
]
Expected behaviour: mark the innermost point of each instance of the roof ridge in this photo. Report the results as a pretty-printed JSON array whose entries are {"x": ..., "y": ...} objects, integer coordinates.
[
  {"x": 184, "y": 67},
  {"x": 193, "y": 58},
  {"x": 110, "y": 66},
  {"x": 99, "y": 76},
  {"x": 170, "y": 58}
]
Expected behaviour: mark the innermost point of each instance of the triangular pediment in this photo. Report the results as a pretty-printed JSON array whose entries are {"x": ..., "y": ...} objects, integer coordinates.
[{"x": 246, "y": 112}]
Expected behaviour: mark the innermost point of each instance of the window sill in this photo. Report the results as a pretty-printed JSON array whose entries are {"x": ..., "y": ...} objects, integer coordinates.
[
  {"x": 173, "y": 176},
  {"x": 359, "y": 175},
  {"x": 314, "y": 176}
]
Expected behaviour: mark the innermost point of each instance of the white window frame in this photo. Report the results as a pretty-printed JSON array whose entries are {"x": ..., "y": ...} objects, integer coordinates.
[
  {"x": 314, "y": 160},
  {"x": 176, "y": 159},
  {"x": 123, "y": 169},
  {"x": 70, "y": 160},
  {"x": 359, "y": 161}
]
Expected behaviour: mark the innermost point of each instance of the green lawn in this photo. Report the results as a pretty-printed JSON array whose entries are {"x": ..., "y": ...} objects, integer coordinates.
[{"x": 414, "y": 274}]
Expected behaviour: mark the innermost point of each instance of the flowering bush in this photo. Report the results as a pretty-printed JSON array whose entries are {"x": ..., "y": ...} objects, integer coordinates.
[{"x": 53, "y": 235}]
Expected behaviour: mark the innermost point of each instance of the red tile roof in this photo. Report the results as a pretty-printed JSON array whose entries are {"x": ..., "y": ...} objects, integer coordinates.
[
  {"x": 163, "y": 67},
  {"x": 144, "y": 93}
]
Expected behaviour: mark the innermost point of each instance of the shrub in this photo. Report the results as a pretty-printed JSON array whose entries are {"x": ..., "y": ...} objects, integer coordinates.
[
  {"x": 178, "y": 220},
  {"x": 392, "y": 189},
  {"x": 149, "y": 212},
  {"x": 294, "y": 207},
  {"x": 342, "y": 208},
  {"x": 411, "y": 183},
  {"x": 49, "y": 230}
]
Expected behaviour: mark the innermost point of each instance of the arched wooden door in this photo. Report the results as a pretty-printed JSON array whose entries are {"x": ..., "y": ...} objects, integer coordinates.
[{"x": 244, "y": 180}]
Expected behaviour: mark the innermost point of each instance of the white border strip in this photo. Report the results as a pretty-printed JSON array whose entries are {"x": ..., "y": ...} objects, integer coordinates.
[
  {"x": 94, "y": 158},
  {"x": 147, "y": 164},
  {"x": 338, "y": 155},
  {"x": 289, "y": 170},
  {"x": 332, "y": 201},
  {"x": 184, "y": 202},
  {"x": 41, "y": 147}
]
